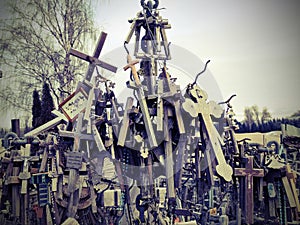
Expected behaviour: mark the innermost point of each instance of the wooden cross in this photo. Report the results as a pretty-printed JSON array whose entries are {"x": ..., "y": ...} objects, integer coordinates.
[
  {"x": 142, "y": 101},
  {"x": 93, "y": 60},
  {"x": 249, "y": 172}
]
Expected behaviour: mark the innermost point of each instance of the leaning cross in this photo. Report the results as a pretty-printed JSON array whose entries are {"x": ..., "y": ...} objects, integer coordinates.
[
  {"x": 213, "y": 140},
  {"x": 93, "y": 60},
  {"x": 142, "y": 101},
  {"x": 249, "y": 172}
]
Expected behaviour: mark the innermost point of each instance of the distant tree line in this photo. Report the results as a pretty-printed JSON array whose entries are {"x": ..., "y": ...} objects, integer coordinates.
[{"x": 256, "y": 121}]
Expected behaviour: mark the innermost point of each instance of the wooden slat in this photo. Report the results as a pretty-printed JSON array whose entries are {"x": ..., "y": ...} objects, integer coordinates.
[{"x": 125, "y": 123}]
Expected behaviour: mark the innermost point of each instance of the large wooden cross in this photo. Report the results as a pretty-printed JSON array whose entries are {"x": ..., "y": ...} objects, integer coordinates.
[
  {"x": 93, "y": 60},
  {"x": 142, "y": 101},
  {"x": 249, "y": 172}
]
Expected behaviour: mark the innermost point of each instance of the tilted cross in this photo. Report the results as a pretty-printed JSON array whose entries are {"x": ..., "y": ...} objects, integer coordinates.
[
  {"x": 249, "y": 172},
  {"x": 142, "y": 101},
  {"x": 93, "y": 60},
  {"x": 213, "y": 139}
]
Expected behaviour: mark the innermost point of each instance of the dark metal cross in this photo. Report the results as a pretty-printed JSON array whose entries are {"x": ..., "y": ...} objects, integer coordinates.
[
  {"x": 93, "y": 60},
  {"x": 249, "y": 172}
]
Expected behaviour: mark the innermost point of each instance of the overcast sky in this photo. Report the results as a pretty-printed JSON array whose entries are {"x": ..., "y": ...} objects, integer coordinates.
[{"x": 253, "y": 45}]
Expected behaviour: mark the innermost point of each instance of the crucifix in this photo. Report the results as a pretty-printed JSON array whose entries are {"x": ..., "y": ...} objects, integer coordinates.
[{"x": 249, "y": 172}]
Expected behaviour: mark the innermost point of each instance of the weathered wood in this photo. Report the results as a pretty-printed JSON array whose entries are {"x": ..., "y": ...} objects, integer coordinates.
[
  {"x": 47, "y": 126},
  {"x": 125, "y": 122},
  {"x": 169, "y": 157},
  {"x": 73, "y": 174},
  {"x": 213, "y": 139},
  {"x": 181, "y": 148},
  {"x": 91, "y": 98},
  {"x": 160, "y": 107},
  {"x": 291, "y": 176},
  {"x": 44, "y": 161},
  {"x": 98, "y": 139},
  {"x": 70, "y": 221},
  {"x": 142, "y": 102},
  {"x": 249, "y": 172},
  {"x": 174, "y": 100},
  {"x": 93, "y": 60},
  {"x": 289, "y": 192},
  {"x": 15, "y": 194},
  {"x": 25, "y": 175}
]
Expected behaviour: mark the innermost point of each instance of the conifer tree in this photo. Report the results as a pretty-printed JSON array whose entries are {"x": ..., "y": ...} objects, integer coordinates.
[
  {"x": 47, "y": 104},
  {"x": 36, "y": 109}
]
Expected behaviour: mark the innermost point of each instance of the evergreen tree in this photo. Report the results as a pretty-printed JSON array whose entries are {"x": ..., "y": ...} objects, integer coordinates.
[
  {"x": 47, "y": 104},
  {"x": 36, "y": 109}
]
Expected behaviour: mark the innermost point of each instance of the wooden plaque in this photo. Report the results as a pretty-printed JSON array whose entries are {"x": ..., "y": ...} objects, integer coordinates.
[{"x": 74, "y": 104}]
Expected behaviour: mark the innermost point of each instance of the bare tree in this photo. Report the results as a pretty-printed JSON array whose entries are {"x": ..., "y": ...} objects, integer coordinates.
[
  {"x": 265, "y": 115},
  {"x": 34, "y": 43},
  {"x": 256, "y": 114},
  {"x": 249, "y": 116}
]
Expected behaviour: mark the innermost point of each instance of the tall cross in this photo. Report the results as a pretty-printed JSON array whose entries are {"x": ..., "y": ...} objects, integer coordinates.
[
  {"x": 93, "y": 60},
  {"x": 142, "y": 101},
  {"x": 249, "y": 172}
]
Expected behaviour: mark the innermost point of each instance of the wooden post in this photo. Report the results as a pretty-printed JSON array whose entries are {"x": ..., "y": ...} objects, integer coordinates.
[
  {"x": 73, "y": 174},
  {"x": 125, "y": 123},
  {"x": 24, "y": 176},
  {"x": 291, "y": 176},
  {"x": 14, "y": 181},
  {"x": 169, "y": 157},
  {"x": 249, "y": 172}
]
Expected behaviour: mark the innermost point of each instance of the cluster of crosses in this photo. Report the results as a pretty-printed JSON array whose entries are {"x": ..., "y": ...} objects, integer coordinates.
[{"x": 169, "y": 164}]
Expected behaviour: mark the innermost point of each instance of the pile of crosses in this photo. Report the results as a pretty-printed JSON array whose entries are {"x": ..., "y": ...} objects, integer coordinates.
[{"x": 157, "y": 160}]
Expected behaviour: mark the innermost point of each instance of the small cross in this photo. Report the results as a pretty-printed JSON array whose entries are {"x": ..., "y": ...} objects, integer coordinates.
[
  {"x": 131, "y": 65},
  {"x": 249, "y": 172}
]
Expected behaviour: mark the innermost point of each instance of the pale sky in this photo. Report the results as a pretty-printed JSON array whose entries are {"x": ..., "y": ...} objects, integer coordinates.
[{"x": 253, "y": 45}]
